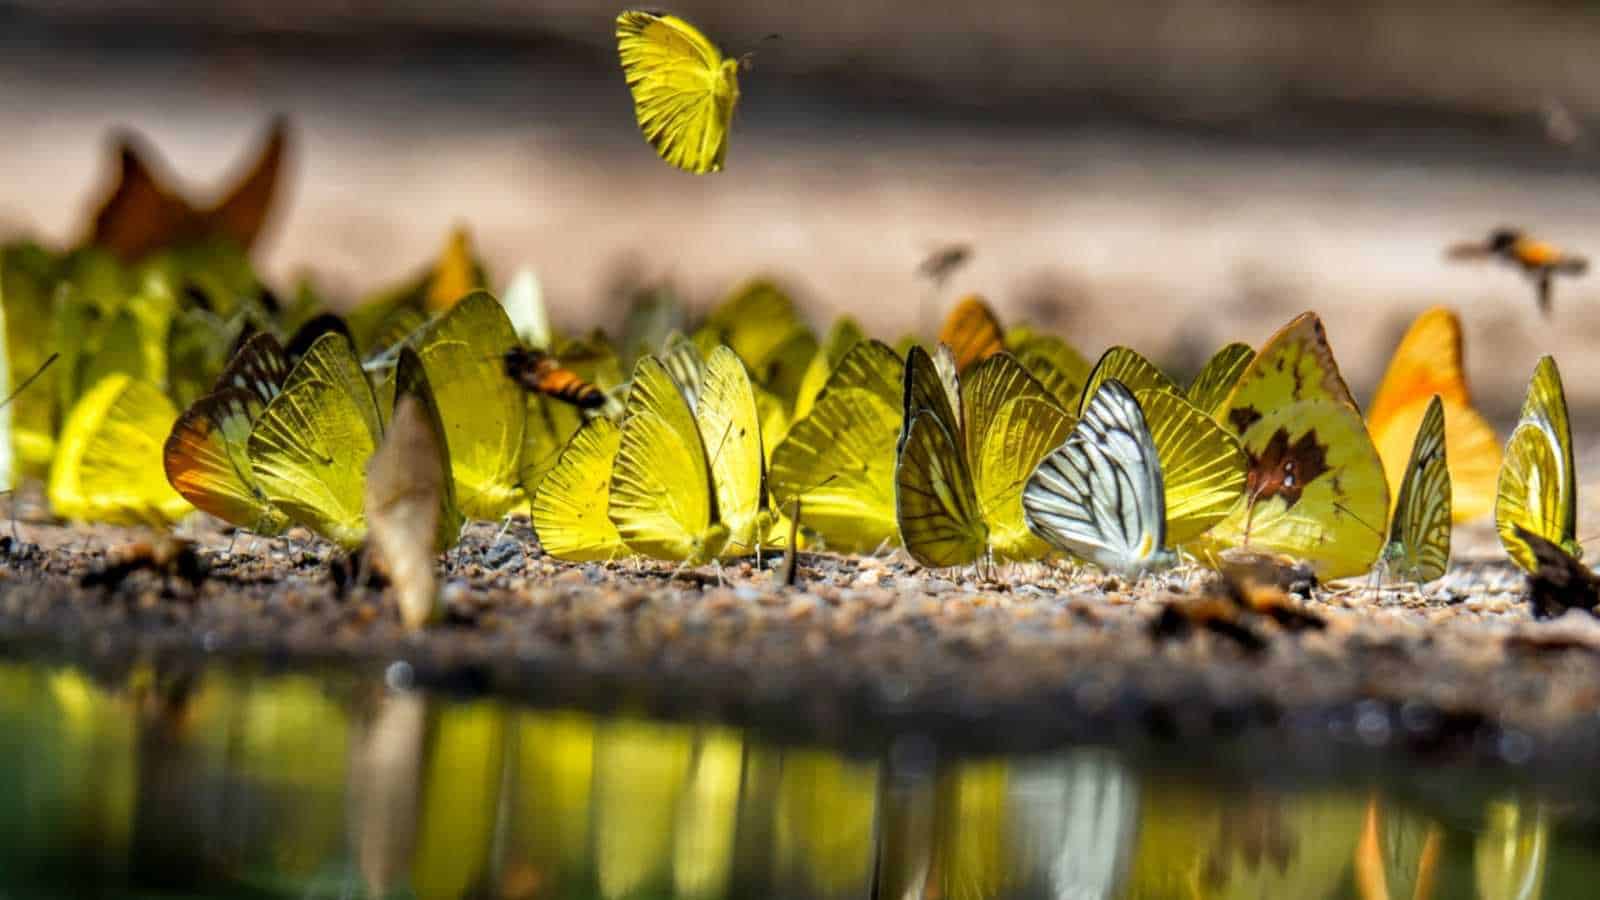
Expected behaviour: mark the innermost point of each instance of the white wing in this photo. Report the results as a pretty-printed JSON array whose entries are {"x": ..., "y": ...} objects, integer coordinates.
[
  {"x": 524, "y": 304},
  {"x": 1099, "y": 496}
]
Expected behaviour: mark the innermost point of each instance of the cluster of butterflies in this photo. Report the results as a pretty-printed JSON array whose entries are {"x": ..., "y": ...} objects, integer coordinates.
[{"x": 700, "y": 444}]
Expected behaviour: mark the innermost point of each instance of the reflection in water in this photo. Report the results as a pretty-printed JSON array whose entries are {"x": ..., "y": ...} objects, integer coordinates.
[{"x": 231, "y": 784}]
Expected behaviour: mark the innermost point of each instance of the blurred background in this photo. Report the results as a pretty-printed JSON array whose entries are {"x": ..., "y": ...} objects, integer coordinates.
[{"x": 1167, "y": 175}]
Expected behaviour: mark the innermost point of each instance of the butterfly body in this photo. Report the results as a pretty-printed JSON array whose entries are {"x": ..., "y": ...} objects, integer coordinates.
[{"x": 542, "y": 373}]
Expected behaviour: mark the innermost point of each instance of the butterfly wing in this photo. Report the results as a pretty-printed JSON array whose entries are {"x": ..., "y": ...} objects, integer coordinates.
[
  {"x": 1315, "y": 488},
  {"x": 141, "y": 215},
  {"x": 108, "y": 462},
  {"x": 310, "y": 446},
  {"x": 972, "y": 332},
  {"x": 524, "y": 304},
  {"x": 1546, "y": 407},
  {"x": 1419, "y": 533},
  {"x": 1134, "y": 371},
  {"x": 841, "y": 339},
  {"x": 840, "y": 459},
  {"x": 455, "y": 275},
  {"x": 1062, "y": 370},
  {"x": 1428, "y": 363},
  {"x": 1011, "y": 423},
  {"x": 569, "y": 510},
  {"x": 550, "y": 425},
  {"x": 411, "y": 381},
  {"x": 935, "y": 503},
  {"x": 1210, "y": 389},
  {"x": 730, "y": 428},
  {"x": 259, "y": 368},
  {"x": 661, "y": 490},
  {"x": 206, "y": 459},
  {"x": 1202, "y": 465},
  {"x": 1099, "y": 495},
  {"x": 484, "y": 412},
  {"x": 1529, "y": 495},
  {"x": 683, "y": 91}
]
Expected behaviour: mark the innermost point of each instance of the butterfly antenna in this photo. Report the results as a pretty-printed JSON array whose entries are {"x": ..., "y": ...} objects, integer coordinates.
[
  {"x": 30, "y": 379},
  {"x": 1347, "y": 511}
]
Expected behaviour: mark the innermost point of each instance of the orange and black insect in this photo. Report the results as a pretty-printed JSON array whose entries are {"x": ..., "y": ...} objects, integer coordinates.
[
  {"x": 1539, "y": 260},
  {"x": 542, "y": 373}
]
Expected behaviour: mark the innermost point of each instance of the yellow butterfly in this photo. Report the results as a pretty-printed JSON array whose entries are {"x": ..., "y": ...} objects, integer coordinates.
[
  {"x": 1428, "y": 363},
  {"x": 841, "y": 339},
  {"x": 684, "y": 91},
  {"x": 28, "y": 282},
  {"x": 1059, "y": 367},
  {"x": 1418, "y": 549},
  {"x": 1210, "y": 389},
  {"x": 967, "y": 445},
  {"x": 206, "y": 456},
  {"x": 309, "y": 447},
  {"x": 1315, "y": 488},
  {"x": 840, "y": 459},
  {"x": 690, "y": 483},
  {"x": 1129, "y": 367},
  {"x": 1538, "y": 488},
  {"x": 108, "y": 458},
  {"x": 760, "y": 323},
  {"x": 484, "y": 411},
  {"x": 570, "y": 507},
  {"x": 1202, "y": 465}
]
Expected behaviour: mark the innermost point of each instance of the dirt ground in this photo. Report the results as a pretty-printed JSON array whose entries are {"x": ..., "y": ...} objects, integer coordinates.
[{"x": 864, "y": 648}]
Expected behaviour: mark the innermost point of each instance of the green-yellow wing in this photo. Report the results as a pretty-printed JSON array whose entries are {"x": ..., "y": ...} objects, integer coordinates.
[
  {"x": 841, "y": 339},
  {"x": 928, "y": 389},
  {"x": 551, "y": 423},
  {"x": 1202, "y": 465},
  {"x": 1315, "y": 489},
  {"x": 569, "y": 510},
  {"x": 686, "y": 364},
  {"x": 1127, "y": 366},
  {"x": 1529, "y": 496},
  {"x": 1419, "y": 534},
  {"x": 411, "y": 380},
  {"x": 108, "y": 456},
  {"x": 1546, "y": 407},
  {"x": 683, "y": 90},
  {"x": 840, "y": 459},
  {"x": 1062, "y": 370},
  {"x": 1012, "y": 422},
  {"x": 484, "y": 411},
  {"x": 730, "y": 428},
  {"x": 936, "y": 504},
  {"x": 310, "y": 446},
  {"x": 662, "y": 500},
  {"x": 1210, "y": 389},
  {"x": 760, "y": 322},
  {"x": 206, "y": 459}
]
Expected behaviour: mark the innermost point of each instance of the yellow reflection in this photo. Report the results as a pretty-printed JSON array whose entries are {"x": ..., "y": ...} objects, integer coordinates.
[
  {"x": 1398, "y": 854},
  {"x": 825, "y": 813},
  {"x": 550, "y": 804},
  {"x": 971, "y": 852},
  {"x": 461, "y": 789},
  {"x": 703, "y": 851},
  {"x": 1509, "y": 857},
  {"x": 640, "y": 770},
  {"x": 1211, "y": 843}
]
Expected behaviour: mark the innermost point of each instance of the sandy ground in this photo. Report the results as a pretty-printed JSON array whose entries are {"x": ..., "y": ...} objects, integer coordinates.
[{"x": 864, "y": 648}]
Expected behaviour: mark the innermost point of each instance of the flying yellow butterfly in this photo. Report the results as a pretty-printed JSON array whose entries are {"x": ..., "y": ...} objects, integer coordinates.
[
  {"x": 206, "y": 456},
  {"x": 309, "y": 448},
  {"x": 684, "y": 91},
  {"x": 1315, "y": 488},
  {"x": 967, "y": 445},
  {"x": 688, "y": 483},
  {"x": 840, "y": 459},
  {"x": 1429, "y": 363},
  {"x": 1418, "y": 549},
  {"x": 1538, "y": 489},
  {"x": 108, "y": 457},
  {"x": 484, "y": 412}
]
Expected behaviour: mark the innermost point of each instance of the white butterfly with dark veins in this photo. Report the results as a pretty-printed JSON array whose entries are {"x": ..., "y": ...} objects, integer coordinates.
[{"x": 1099, "y": 496}]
